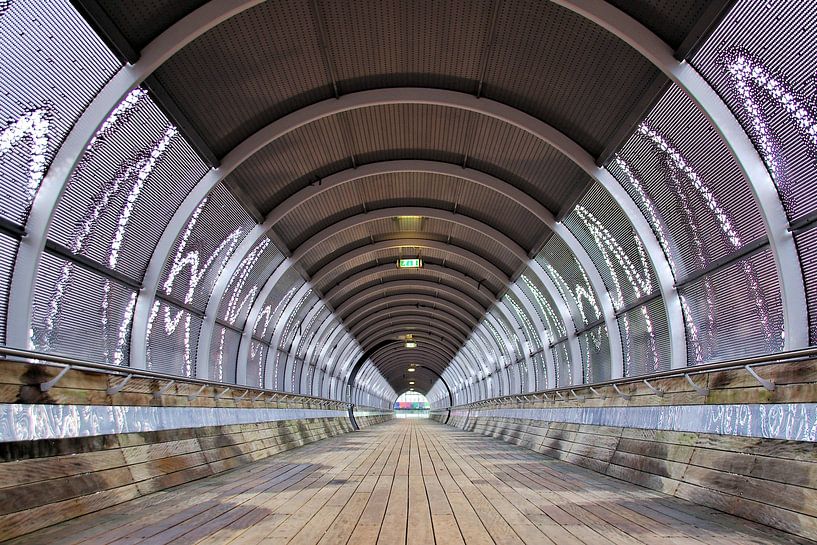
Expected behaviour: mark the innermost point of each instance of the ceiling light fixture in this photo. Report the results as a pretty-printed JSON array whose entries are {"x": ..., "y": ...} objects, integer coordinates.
[
  {"x": 409, "y": 263},
  {"x": 411, "y": 344}
]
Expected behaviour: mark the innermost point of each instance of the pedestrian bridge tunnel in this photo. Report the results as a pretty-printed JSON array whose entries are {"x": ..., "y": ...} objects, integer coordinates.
[{"x": 233, "y": 233}]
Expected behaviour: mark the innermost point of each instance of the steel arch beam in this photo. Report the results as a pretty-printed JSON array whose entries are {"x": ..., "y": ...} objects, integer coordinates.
[
  {"x": 419, "y": 335},
  {"x": 252, "y": 318},
  {"x": 601, "y": 13},
  {"x": 448, "y": 351},
  {"x": 467, "y": 255},
  {"x": 424, "y": 211},
  {"x": 428, "y": 301},
  {"x": 767, "y": 198},
  {"x": 70, "y": 152},
  {"x": 409, "y": 322},
  {"x": 415, "y": 313},
  {"x": 459, "y": 279},
  {"x": 456, "y": 296},
  {"x": 274, "y": 349}
]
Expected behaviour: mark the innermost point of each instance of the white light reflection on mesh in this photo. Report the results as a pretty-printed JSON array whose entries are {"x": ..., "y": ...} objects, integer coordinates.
[
  {"x": 639, "y": 280},
  {"x": 749, "y": 79},
  {"x": 682, "y": 176},
  {"x": 190, "y": 259},
  {"x": 554, "y": 322},
  {"x": 135, "y": 170},
  {"x": 31, "y": 128}
]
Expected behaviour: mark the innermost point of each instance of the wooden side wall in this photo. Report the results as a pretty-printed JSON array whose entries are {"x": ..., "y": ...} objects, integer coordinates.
[
  {"x": 44, "y": 482},
  {"x": 770, "y": 481}
]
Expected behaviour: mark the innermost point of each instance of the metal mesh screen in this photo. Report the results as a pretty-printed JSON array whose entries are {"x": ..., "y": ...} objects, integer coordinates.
[
  {"x": 80, "y": 313},
  {"x": 762, "y": 60},
  {"x": 735, "y": 311},
  {"x": 131, "y": 178},
  {"x": 544, "y": 305},
  {"x": 688, "y": 186},
  {"x": 8, "y": 251},
  {"x": 561, "y": 359},
  {"x": 595, "y": 348},
  {"x": 645, "y": 339},
  {"x": 173, "y": 335},
  {"x": 201, "y": 250},
  {"x": 571, "y": 280},
  {"x": 255, "y": 363},
  {"x": 807, "y": 248},
  {"x": 247, "y": 281},
  {"x": 601, "y": 227},
  {"x": 47, "y": 49},
  {"x": 224, "y": 353}
]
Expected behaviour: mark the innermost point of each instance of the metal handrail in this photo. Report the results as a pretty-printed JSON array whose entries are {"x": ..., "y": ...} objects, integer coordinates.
[
  {"x": 68, "y": 363},
  {"x": 746, "y": 364}
]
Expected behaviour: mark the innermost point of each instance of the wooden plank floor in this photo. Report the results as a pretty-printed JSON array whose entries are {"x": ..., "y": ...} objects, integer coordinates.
[{"x": 408, "y": 481}]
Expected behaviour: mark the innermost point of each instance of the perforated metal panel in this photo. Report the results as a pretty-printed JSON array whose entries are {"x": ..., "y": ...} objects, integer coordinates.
[
  {"x": 595, "y": 348},
  {"x": 249, "y": 278},
  {"x": 564, "y": 371},
  {"x": 807, "y": 248},
  {"x": 761, "y": 60},
  {"x": 672, "y": 20},
  {"x": 173, "y": 335},
  {"x": 142, "y": 20},
  {"x": 271, "y": 66},
  {"x": 734, "y": 312},
  {"x": 79, "y": 313},
  {"x": 201, "y": 250},
  {"x": 601, "y": 227},
  {"x": 571, "y": 280},
  {"x": 561, "y": 67},
  {"x": 255, "y": 363},
  {"x": 274, "y": 306},
  {"x": 47, "y": 49},
  {"x": 8, "y": 251},
  {"x": 645, "y": 339},
  {"x": 132, "y": 177},
  {"x": 223, "y": 354},
  {"x": 688, "y": 186},
  {"x": 544, "y": 305}
]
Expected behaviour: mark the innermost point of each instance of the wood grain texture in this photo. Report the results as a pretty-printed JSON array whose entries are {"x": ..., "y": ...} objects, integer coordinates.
[{"x": 408, "y": 482}]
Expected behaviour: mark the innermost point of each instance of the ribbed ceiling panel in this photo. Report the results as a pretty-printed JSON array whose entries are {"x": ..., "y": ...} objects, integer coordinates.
[
  {"x": 429, "y": 44},
  {"x": 292, "y": 162},
  {"x": 561, "y": 68},
  {"x": 142, "y": 20},
  {"x": 671, "y": 20},
  {"x": 248, "y": 71}
]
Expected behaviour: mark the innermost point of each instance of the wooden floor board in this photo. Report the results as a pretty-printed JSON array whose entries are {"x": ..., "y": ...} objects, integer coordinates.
[{"x": 408, "y": 482}]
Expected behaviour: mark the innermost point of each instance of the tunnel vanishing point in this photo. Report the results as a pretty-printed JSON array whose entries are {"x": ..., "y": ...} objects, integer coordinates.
[{"x": 234, "y": 232}]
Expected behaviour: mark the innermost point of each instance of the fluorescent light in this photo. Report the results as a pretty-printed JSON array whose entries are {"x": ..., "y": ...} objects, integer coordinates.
[
  {"x": 411, "y": 344},
  {"x": 411, "y": 369}
]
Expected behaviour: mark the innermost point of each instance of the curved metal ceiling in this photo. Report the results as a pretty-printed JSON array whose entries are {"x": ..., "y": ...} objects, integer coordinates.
[{"x": 484, "y": 136}]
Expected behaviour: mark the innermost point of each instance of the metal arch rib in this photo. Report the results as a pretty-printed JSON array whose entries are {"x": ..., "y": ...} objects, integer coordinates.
[
  {"x": 409, "y": 299},
  {"x": 409, "y": 165},
  {"x": 609, "y": 17},
  {"x": 76, "y": 142},
  {"x": 467, "y": 255},
  {"x": 536, "y": 321},
  {"x": 396, "y": 312},
  {"x": 279, "y": 331},
  {"x": 365, "y": 99},
  {"x": 461, "y": 297},
  {"x": 430, "y": 302},
  {"x": 252, "y": 318},
  {"x": 410, "y": 324},
  {"x": 421, "y": 335},
  {"x": 781, "y": 240},
  {"x": 459, "y": 278},
  {"x": 449, "y": 351},
  {"x": 424, "y": 211}
]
